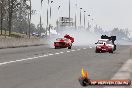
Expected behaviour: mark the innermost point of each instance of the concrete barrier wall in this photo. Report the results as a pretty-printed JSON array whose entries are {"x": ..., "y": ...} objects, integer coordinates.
[
  {"x": 131, "y": 51},
  {"x": 19, "y": 42}
]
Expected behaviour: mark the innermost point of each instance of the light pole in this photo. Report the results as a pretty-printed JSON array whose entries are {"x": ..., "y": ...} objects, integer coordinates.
[
  {"x": 84, "y": 19},
  {"x": 47, "y": 28},
  {"x": 29, "y": 16},
  {"x": 88, "y": 22},
  {"x": 69, "y": 12},
  {"x": 76, "y": 15},
  {"x": 58, "y": 19},
  {"x": 80, "y": 16},
  {"x": 1, "y": 3},
  {"x": 50, "y": 16},
  {"x": 47, "y": 22},
  {"x": 51, "y": 10}
]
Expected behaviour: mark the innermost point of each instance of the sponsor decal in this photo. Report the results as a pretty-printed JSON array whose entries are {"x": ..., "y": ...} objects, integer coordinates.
[{"x": 86, "y": 81}]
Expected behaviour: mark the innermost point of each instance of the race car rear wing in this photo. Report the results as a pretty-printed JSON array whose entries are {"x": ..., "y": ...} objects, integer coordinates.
[
  {"x": 69, "y": 37},
  {"x": 113, "y": 38}
]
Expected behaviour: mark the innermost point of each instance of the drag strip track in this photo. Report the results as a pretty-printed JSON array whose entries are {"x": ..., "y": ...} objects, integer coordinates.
[
  {"x": 41, "y": 56},
  {"x": 45, "y": 67}
]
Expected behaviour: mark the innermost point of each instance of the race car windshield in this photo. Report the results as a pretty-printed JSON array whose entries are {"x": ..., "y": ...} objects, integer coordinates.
[
  {"x": 109, "y": 42},
  {"x": 62, "y": 39},
  {"x": 101, "y": 41}
]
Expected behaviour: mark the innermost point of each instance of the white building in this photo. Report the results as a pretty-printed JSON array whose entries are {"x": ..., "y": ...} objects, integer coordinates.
[{"x": 65, "y": 22}]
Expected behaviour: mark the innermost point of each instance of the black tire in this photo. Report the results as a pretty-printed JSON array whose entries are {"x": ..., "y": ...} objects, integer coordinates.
[
  {"x": 114, "y": 48},
  {"x": 69, "y": 47},
  {"x": 96, "y": 51},
  {"x": 56, "y": 47},
  {"x": 111, "y": 51}
]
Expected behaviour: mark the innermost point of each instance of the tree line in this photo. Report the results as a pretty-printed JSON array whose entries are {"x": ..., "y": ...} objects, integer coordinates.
[
  {"x": 15, "y": 16},
  {"x": 119, "y": 32}
]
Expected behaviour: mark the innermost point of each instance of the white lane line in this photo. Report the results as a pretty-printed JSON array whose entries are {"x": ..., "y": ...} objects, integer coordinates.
[
  {"x": 73, "y": 50},
  {"x": 9, "y": 62},
  {"x": 84, "y": 48},
  {"x": 51, "y": 54},
  {"x": 36, "y": 57},
  {"x": 4, "y": 63},
  {"x": 23, "y": 60},
  {"x": 40, "y": 56},
  {"x": 57, "y": 53},
  {"x": 90, "y": 47},
  {"x": 68, "y": 51},
  {"x": 45, "y": 55},
  {"x": 61, "y": 52},
  {"x": 78, "y": 49}
]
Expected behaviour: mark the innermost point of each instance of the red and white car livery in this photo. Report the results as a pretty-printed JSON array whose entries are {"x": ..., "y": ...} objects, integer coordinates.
[
  {"x": 104, "y": 45},
  {"x": 65, "y": 42}
]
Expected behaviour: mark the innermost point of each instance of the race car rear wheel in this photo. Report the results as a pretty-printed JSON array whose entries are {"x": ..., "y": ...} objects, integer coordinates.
[
  {"x": 69, "y": 47},
  {"x": 96, "y": 51},
  {"x": 111, "y": 51},
  {"x": 56, "y": 47},
  {"x": 114, "y": 47}
]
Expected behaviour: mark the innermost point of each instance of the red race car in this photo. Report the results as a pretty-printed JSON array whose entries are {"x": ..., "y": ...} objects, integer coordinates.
[
  {"x": 65, "y": 42},
  {"x": 106, "y": 44}
]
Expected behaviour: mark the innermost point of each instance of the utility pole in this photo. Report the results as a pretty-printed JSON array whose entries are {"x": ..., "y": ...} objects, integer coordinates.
[
  {"x": 80, "y": 16},
  {"x": 69, "y": 12},
  {"x": 47, "y": 22},
  {"x": 40, "y": 25},
  {"x": 1, "y": 3},
  {"x": 51, "y": 10},
  {"x": 75, "y": 21},
  {"x": 48, "y": 26},
  {"x": 29, "y": 16},
  {"x": 84, "y": 19},
  {"x": 76, "y": 15},
  {"x": 58, "y": 19},
  {"x": 50, "y": 16},
  {"x": 89, "y": 26}
]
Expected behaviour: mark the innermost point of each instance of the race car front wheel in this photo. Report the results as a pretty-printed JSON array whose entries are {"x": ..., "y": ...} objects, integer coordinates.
[
  {"x": 56, "y": 47},
  {"x": 97, "y": 51},
  {"x": 114, "y": 47},
  {"x": 69, "y": 47},
  {"x": 111, "y": 51}
]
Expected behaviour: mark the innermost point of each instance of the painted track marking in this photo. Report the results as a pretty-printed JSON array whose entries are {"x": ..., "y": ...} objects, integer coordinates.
[
  {"x": 68, "y": 51},
  {"x": 51, "y": 54},
  {"x": 57, "y": 53},
  {"x": 36, "y": 57},
  {"x": 78, "y": 49},
  {"x": 73, "y": 50}
]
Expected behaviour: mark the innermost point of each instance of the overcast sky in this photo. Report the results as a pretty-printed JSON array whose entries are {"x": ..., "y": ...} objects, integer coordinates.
[{"x": 106, "y": 13}]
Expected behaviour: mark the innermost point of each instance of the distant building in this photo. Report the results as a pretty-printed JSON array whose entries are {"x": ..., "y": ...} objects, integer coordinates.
[{"x": 65, "y": 22}]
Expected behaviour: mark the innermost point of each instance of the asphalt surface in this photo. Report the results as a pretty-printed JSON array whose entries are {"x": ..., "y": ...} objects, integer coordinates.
[{"x": 44, "y": 67}]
